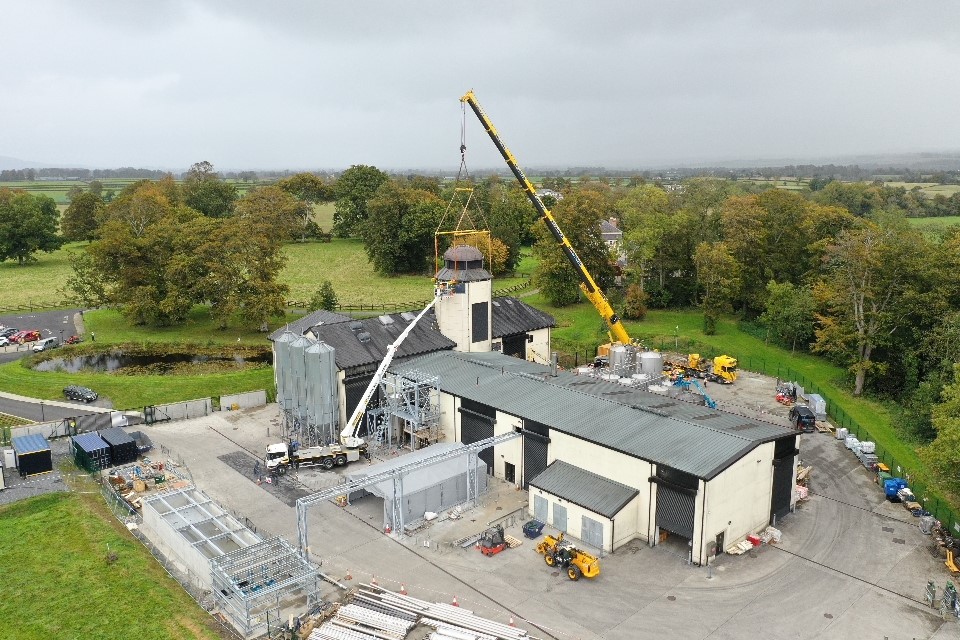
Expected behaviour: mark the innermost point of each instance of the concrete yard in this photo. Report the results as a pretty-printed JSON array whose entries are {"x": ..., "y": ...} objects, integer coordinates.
[{"x": 849, "y": 565}]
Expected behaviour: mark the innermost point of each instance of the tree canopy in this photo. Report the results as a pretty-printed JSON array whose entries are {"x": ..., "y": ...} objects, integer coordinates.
[
  {"x": 398, "y": 232},
  {"x": 353, "y": 189},
  {"x": 28, "y": 224}
]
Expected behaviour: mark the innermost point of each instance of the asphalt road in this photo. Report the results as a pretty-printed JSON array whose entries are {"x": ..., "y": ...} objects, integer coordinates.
[{"x": 49, "y": 323}]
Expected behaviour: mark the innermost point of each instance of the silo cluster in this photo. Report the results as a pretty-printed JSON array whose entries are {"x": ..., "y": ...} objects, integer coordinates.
[{"x": 307, "y": 388}]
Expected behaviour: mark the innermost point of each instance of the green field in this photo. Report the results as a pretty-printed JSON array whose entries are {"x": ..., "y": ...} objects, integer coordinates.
[
  {"x": 58, "y": 189},
  {"x": 929, "y": 188},
  {"x": 58, "y": 582},
  {"x": 342, "y": 261}
]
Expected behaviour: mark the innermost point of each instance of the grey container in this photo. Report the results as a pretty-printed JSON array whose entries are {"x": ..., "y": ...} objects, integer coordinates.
[{"x": 650, "y": 363}]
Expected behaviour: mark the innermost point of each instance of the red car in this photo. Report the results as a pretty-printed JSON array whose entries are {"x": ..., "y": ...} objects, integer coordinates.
[{"x": 27, "y": 335}]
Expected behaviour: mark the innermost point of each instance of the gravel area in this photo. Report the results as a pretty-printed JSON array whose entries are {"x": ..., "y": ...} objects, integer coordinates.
[{"x": 18, "y": 488}]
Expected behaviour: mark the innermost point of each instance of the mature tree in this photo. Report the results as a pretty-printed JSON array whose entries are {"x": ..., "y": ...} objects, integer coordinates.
[
  {"x": 511, "y": 216},
  {"x": 398, "y": 232},
  {"x": 870, "y": 271},
  {"x": 645, "y": 214},
  {"x": 859, "y": 198},
  {"x": 204, "y": 191},
  {"x": 352, "y": 191},
  {"x": 241, "y": 261},
  {"x": 79, "y": 221},
  {"x": 942, "y": 456},
  {"x": 96, "y": 188},
  {"x": 325, "y": 297},
  {"x": 636, "y": 303},
  {"x": 273, "y": 211},
  {"x": 578, "y": 216},
  {"x": 310, "y": 190},
  {"x": 789, "y": 314},
  {"x": 718, "y": 275},
  {"x": 28, "y": 224},
  {"x": 495, "y": 253}
]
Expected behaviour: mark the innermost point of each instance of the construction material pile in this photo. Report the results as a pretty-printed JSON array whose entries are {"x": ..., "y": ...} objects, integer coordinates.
[{"x": 378, "y": 614}]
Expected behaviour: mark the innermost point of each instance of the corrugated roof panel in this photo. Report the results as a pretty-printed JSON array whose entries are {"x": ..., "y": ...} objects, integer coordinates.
[
  {"x": 31, "y": 443},
  {"x": 588, "y": 490},
  {"x": 701, "y": 448}
]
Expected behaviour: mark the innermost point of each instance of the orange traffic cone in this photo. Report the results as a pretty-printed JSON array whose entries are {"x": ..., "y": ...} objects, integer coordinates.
[
  {"x": 403, "y": 589},
  {"x": 455, "y": 603},
  {"x": 511, "y": 622},
  {"x": 348, "y": 576}
]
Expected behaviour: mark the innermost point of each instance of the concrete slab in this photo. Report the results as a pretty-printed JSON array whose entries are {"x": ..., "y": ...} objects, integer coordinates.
[{"x": 849, "y": 565}]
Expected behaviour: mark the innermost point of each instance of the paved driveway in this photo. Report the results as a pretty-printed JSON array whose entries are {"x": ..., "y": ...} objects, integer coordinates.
[{"x": 850, "y": 564}]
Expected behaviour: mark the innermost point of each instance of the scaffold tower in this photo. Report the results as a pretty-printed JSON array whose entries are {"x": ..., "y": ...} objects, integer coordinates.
[{"x": 411, "y": 410}]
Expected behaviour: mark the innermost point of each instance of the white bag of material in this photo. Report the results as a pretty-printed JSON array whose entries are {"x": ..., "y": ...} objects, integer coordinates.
[
  {"x": 926, "y": 524},
  {"x": 851, "y": 442},
  {"x": 842, "y": 433},
  {"x": 429, "y": 515},
  {"x": 868, "y": 447},
  {"x": 772, "y": 534}
]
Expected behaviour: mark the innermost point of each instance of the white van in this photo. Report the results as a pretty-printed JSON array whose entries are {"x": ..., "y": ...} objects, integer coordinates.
[{"x": 45, "y": 343}]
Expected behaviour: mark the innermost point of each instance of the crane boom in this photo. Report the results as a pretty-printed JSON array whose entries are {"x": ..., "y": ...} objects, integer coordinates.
[
  {"x": 587, "y": 284},
  {"x": 348, "y": 437}
]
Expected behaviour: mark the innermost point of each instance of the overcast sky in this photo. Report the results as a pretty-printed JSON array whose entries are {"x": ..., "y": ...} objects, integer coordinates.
[{"x": 254, "y": 84}]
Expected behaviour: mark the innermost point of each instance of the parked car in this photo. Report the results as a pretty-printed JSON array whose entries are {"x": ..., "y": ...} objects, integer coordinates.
[
  {"x": 83, "y": 394},
  {"x": 46, "y": 343},
  {"x": 4, "y": 341},
  {"x": 6, "y": 332},
  {"x": 803, "y": 418},
  {"x": 72, "y": 340},
  {"x": 27, "y": 335}
]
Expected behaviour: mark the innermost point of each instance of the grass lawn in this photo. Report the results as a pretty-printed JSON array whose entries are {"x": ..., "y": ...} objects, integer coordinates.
[
  {"x": 929, "y": 188},
  {"x": 934, "y": 225},
  {"x": 37, "y": 283},
  {"x": 59, "y": 584}
]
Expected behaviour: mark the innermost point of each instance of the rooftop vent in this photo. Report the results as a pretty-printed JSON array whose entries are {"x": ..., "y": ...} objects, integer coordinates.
[
  {"x": 408, "y": 315},
  {"x": 385, "y": 320},
  {"x": 356, "y": 326},
  {"x": 363, "y": 337}
]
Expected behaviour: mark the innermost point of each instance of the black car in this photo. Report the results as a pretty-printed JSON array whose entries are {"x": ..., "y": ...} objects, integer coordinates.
[
  {"x": 9, "y": 331},
  {"x": 83, "y": 394}
]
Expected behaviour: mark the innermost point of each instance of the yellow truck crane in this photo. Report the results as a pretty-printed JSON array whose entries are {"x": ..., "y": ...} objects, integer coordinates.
[
  {"x": 559, "y": 553},
  {"x": 617, "y": 331}
]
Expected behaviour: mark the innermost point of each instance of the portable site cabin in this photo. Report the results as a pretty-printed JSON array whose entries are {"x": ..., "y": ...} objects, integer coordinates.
[
  {"x": 123, "y": 448},
  {"x": 91, "y": 452},
  {"x": 32, "y": 455}
]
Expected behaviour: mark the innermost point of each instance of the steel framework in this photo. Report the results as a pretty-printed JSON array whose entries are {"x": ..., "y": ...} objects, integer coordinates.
[
  {"x": 396, "y": 475},
  {"x": 254, "y": 585},
  {"x": 412, "y": 399}
]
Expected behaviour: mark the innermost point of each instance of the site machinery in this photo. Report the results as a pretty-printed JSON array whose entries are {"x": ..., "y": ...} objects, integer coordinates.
[
  {"x": 590, "y": 288},
  {"x": 576, "y": 562},
  {"x": 351, "y": 448}
]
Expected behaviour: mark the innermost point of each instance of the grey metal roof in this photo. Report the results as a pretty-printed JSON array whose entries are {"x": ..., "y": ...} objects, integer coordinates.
[
  {"x": 511, "y": 316},
  {"x": 30, "y": 443},
  {"x": 115, "y": 436},
  {"x": 90, "y": 442},
  {"x": 448, "y": 274},
  {"x": 691, "y": 438},
  {"x": 583, "y": 488},
  {"x": 351, "y": 352},
  {"x": 301, "y": 325}
]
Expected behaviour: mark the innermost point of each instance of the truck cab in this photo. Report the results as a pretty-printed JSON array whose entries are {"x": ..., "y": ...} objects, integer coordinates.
[
  {"x": 803, "y": 418},
  {"x": 278, "y": 455}
]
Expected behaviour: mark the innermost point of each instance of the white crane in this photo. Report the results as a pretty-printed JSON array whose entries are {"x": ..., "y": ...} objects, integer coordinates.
[{"x": 348, "y": 437}]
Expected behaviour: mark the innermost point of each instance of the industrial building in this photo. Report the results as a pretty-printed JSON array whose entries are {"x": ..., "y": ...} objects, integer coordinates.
[{"x": 603, "y": 459}]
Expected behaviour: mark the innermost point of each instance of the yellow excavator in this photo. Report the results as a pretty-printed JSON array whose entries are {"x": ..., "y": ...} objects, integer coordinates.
[{"x": 617, "y": 331}]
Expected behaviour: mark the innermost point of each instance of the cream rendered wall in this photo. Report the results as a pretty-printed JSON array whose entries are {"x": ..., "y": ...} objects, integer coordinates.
[
  {"x": 613, "y": 465},
  {"x": 625, "y": 525},
  {"x": 448, "y": 417},
  {"x": 342, "y": 396},
  {"x": 539, "y": 349},
  {"x": 512, "y": 451},
  {"x": 575, "y": 515},
  {"x": 738, "y": 501},
  {"x": 453, "y": 315}
]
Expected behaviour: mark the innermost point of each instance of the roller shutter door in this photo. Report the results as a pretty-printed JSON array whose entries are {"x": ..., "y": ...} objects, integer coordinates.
[
  {"x": 675, "y": 510},
  {"x": 354, "y": 388},
  {"x": 534, "y": 455},
  {"x": 782, "y": 477},
  {"x": 474, "y": 427}
]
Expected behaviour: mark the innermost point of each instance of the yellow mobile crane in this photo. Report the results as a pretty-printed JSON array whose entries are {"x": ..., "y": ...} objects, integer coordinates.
[{"x": 617, "y": 331}]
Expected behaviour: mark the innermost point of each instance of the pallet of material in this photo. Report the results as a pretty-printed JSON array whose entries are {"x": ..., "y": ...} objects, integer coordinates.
[
  {"x": 512, "y": 542},
  {"x": 740, "y": 548},
  {"x": 824, "y": 427}
]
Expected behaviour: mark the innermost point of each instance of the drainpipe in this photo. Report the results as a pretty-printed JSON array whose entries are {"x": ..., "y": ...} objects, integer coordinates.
[{"x": 703, "y": 518}]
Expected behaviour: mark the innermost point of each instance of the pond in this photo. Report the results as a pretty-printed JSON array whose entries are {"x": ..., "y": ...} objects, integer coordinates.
[{"x": 122, "y": 363}]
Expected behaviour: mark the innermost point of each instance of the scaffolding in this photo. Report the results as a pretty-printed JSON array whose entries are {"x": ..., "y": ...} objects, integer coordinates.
[
  {"x": 411, "y": 407},
  {"x": 258, "y": 586}
]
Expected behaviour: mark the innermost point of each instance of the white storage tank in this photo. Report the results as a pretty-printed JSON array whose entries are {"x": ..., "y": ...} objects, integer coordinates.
[
  {"x": 651, "y": 363},
  {"x": 622, "y": 358}
]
